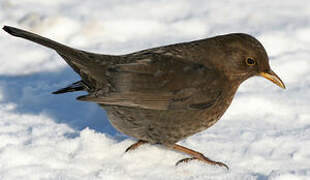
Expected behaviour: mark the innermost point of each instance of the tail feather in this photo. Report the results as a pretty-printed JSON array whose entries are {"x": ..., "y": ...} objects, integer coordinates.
[
  {"x": 77, "y": 86},
  {"x": 80, "y": 57},
  {"x": 36, "y": 38},
  {"x": 76, "y": 54},
  {"x": 90, "y": 66}
]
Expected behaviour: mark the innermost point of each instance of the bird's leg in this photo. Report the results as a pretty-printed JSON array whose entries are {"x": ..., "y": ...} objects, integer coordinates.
[
  {"x": 195, "y": 155},
  {"x": 135, "y": 145}
]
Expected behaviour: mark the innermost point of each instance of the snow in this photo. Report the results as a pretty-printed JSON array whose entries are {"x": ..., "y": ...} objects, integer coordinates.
[{"x": 265, "y": 134}]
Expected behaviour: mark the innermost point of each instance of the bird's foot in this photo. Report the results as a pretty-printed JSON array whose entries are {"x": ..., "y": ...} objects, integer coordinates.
[
  {"x": 186, "y": 160},
  {"x": 135, "y": 145},
  {"x": 196, "y": 156}
]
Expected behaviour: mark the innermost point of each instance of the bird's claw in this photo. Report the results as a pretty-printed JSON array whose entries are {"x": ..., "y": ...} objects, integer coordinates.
[
  {"x": 222, "y": 165},
  {"x": 135, "y": 145},
  {"x": 186, "y": 160}
]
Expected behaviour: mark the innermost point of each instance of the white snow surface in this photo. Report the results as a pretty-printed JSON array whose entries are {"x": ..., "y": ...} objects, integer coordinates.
[{"x": 265, "y": 134}]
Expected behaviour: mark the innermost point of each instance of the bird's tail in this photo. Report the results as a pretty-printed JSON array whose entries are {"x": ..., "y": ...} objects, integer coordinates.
[
  {"x": 71, "y": 55},
  {"x": 36, "y": 38},
  {"x": 77, "y": 86},
  {"x": 90, "y": 66}
]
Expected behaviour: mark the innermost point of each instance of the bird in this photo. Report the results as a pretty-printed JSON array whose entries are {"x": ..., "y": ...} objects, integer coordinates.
[{"x": 165, "y": 94}]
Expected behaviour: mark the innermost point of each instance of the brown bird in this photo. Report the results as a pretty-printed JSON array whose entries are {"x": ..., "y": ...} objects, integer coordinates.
[{"x": 165, "y": 94}]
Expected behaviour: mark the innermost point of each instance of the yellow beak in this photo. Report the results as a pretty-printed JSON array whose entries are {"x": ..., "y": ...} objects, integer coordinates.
[{"x": 273, "y": 77}]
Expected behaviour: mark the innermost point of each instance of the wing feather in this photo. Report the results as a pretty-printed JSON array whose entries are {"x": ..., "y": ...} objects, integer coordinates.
[{"x": 160, "y": 83}]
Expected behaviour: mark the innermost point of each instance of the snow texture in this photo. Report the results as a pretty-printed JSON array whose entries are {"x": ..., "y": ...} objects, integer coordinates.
[{"x": 264, "y": 135}]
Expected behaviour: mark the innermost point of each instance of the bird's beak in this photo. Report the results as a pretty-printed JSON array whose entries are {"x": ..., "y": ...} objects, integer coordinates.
[{"x": 273, "y": 77}]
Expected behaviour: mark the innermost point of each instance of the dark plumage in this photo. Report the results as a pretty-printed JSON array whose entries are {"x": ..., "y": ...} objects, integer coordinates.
[{"x": 165, "y": 94}]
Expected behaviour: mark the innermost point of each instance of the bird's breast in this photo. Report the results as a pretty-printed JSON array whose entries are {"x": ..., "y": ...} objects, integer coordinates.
[{"x": 166, "y": 126}]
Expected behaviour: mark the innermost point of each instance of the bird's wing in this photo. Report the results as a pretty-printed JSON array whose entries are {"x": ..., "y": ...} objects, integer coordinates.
[{"x": 160, "y": 82}]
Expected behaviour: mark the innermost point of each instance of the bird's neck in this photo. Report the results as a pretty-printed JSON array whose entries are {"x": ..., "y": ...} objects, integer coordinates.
[{"x": 236, "y": 79}]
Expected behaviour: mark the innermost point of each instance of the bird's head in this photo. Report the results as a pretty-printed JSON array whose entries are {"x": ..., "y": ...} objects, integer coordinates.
[{"x": 244, "y": 57}]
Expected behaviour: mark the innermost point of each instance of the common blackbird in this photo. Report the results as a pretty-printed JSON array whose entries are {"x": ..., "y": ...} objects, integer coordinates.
[{"x": 165, "y": 94}]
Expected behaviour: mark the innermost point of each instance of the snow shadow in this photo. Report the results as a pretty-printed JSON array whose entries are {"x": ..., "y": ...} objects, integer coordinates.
[{"x": 33, "y": 94}]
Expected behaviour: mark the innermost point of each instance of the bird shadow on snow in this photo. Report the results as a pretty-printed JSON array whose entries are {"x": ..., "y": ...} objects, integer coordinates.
[{"x": 33, "y": 94}]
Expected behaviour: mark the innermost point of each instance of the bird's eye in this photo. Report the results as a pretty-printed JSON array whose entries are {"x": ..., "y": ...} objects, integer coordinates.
[{"x": 250, "y": 61}]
